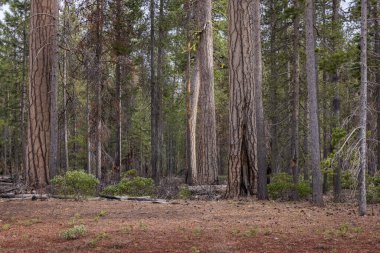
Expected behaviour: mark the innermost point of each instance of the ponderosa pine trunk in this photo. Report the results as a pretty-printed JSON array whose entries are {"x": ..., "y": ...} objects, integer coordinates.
[
  {"x": 65, "y": 101},
  {"x": 99, "y": 85},
  {"x": 242, "y": 163},
  {"x": 118, "y": 39},
  {"x": 207, "y": 162},
  {"x": 377, "y": 76},
  {"x": 262, "y": 192},
  {"x": 363, "y": 110},
  {"x": 154, "y": 99},
  {"x": 311, "y": 72},
  {"x": 294, "y": 141},
  {"x": 160, "y": 82},
  {"x": 273, "y": 90},
  {"x": 336, "y": 30},
  {"x": 41, "y": 159}
]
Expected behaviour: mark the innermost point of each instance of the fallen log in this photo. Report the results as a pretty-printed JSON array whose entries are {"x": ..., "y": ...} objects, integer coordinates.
[
  {"x": 139, "y": 199},
  {"x": 24, "y": 196}
]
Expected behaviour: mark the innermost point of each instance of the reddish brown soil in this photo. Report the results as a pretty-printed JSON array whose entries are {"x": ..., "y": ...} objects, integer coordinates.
[{"x": 226, "y": 226}]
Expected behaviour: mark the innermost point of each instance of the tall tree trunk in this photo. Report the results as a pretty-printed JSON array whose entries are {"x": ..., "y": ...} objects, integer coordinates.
[
  {"x": 311, "y": 70},
  {"x": 89, "y": 157},
  {"x": 294, "y": 141},
  {"x": 363, "y": 110},
  {"x": 41, "y": 152},
  {"x": 54, "y": 97},
  {"x": 118, "y": 31},
  {"x": 154, "y": 100},
  {"x": 99, "y": 86},
  {"x": 160, "y": 82},
  {"x": 24, "y": 130},
  {"x": 262, "y": 192},
  {"x": 336, "y": 30},
  {"x": 65, "y": 66},
  {"x": 242, "y": 165},
  {"x": 377, "y": 76},
  {"x": 208, "y": 159},
  {"x": 192, "y": 97},
  {"x": 275, "y": 158}
]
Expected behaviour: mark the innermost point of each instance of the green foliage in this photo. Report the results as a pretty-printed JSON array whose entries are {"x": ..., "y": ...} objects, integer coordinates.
[
  {"x": 304, "y": 189},
  {"x": 99, "y": 237},
  {"x": 75, "y": 183},
  {"x": 348, "y": 180},
  {"x": 281, "y": 187},
  {"x": 74, "y": 232},
  {"x": 373, "y": 189},
  {"x": 6, "y": 227},
  {"x": 132, "y": 185},
  {"x": 184, "y": 192},
  {"x": 338, "y": 134}
]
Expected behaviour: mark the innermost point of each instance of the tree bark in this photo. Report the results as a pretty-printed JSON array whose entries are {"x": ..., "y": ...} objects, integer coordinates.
[
  {"x": 118, "y": 39},
  {"x": 160, "y": 82},
  {"x": 275, "y": 159},
  {"x": 311, "y": 69},
  {"x": 377, "y": 77},
  {"x": 242, "y": 165},
  {"x": 262, "y": 192},
  {"x": 192, "y": 98},
  {"x": 99, "y": 85},
  {"x": 154, "y": 100},
  {"x": 208, "y": 159},
  {"x": 363, "y": 110},
  {"x": 336, "y": 30},
  {"x": 294, "y": 141},
  {"x": 41, "y": 147},
  {"x": 65, "y": 66}
]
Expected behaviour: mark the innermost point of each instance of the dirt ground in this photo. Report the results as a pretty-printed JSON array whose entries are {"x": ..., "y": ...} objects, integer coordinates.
[{"x": 187, "y": 226}]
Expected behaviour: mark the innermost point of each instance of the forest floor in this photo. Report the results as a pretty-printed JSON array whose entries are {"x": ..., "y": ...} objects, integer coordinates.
[{"x": 187, "y": 226}]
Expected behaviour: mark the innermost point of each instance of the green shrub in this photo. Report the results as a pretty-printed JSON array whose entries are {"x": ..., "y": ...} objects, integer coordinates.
[
  {"x": 281, "y": 187},
  {"x": 304, "y": 189},
  {"x": 373, "y": 189},
  {"x": 75, "y": 183},
  {"x": 184, "y": 192},
  {"x": 132, "y": 185},
  {"x": 348, "y": 180},
  {"x": 74, "y": 232}
]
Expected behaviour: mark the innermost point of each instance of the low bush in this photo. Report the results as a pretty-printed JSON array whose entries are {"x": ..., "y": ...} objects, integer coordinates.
[
  {"x": 282, "y": 187},
  {"x": 75, "y": 183},
  {"x": 74, "y": 232},
  {"x": 132, "y": 185},
  {"x": 373, "y": 189}
]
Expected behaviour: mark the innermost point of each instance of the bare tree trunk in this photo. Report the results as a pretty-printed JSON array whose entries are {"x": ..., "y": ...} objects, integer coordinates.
[
  {"x": 208, "y": 160},
  {"x": 99, "y": 86},
  {"x": 89, "y": 158},
  {"x": 313, "y": 104},
  {"x": 54, "y": 97},
  {"x": 275, "y": 159},
  {"x": 363, "y": 110},
  {"x": 192, "y": 97},
  {"x": 118, "y": 31},
  {"x": 306, "y": 169},
  {"x": 160, "y": 83},
  {"x": 65, "y": 66},
  {"x": 24, "y": 130},
  {"x": 377, "y": 77},
  {"x": 41, "y": 149},
  {"x": 262, "y": 192},
  {"x": 294, "y": 142},
  {"x": 154, "y": 100},
  {"x": 336, "y": 29},
  {"x": 243, "y": 142}
]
